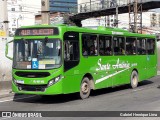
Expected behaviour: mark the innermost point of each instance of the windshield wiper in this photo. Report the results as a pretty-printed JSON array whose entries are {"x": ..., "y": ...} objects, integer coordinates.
[
  {"x": 24, "y": 40},
  {"x": 45, "y": 40}
]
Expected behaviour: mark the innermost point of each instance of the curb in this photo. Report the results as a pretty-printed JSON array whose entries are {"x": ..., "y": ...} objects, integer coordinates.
[{"x": 6, "y": 93}]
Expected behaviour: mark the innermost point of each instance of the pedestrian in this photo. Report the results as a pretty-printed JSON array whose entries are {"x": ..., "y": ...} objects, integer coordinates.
[
  {"x": 85, "y": 8},
  {"x": 113, "y": 3},
  {"x": 102, "y": 3},
  {"x": 80, "y": 8}
]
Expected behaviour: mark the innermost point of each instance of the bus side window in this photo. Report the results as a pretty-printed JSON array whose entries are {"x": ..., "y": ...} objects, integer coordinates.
[
  {"x": 118, "y": 45},
  {"x": 105, "y": 45},
  {"x": 150, "y": 46},
  {"x": 141, "y": 46},
  {"x": 130, "y": 46},
  {"x": 89, "y": 45}
]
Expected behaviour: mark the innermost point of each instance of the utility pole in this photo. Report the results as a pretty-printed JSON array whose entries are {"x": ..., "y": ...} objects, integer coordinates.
[
  {"x": 108, "y": 21},
  {"x": 116, "y": 14},
  {"x": 5, "y": 17},
  {"x": 135, "y": 16},
  {"x": 90, "y": 5},
  {"x": 115, "y": 3},
  {"x": 45, "y": 11}
]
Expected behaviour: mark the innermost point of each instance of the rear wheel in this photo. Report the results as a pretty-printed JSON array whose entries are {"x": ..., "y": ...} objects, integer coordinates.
[
  {"x": 85, "y": 88},
  {"x": 134, "y": 79}
]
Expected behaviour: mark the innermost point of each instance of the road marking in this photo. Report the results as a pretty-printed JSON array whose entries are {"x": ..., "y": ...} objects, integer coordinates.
[
  {"x": 12, "y": 100},
  {"x": 17, "y": 99},
  {"x": 4, "y": 118}
]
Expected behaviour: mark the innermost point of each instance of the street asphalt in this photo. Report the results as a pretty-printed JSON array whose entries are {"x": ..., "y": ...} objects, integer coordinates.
[
  {"x": 146, "y": 97},
  {"x": 108, "y": 99}
]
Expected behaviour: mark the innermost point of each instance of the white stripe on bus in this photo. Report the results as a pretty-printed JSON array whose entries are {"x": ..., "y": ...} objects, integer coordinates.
[{"x": 111, "y": 75}]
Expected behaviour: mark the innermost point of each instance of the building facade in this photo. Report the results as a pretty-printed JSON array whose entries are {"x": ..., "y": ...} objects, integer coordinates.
[
  {"x": 20, "y": 13},
  {"x": 62, "y": 5},
  {"x": 57, "y": 10},
  {"x": 3, "y": 17}
]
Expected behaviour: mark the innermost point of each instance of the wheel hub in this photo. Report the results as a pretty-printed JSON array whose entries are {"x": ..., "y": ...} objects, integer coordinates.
[
  {"x": 134, "y": 80},
  {"x": 85, "y": 87}
]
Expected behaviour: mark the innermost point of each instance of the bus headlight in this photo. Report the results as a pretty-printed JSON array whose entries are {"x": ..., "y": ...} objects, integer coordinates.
[{"x": 54, "y": 80}]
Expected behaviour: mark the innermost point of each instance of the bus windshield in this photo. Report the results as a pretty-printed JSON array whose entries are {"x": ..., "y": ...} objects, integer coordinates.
[{"x": 37, "y": 54}]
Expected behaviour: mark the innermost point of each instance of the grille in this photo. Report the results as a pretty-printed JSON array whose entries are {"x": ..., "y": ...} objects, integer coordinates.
[
  {"x": 40, "y": 88},
  {"x": 33, "y": 74}
]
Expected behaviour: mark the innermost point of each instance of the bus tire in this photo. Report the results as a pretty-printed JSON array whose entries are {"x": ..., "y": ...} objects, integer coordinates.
[
  {"x": 85, "y": 88},
  {"x": 134, "y": 79}
]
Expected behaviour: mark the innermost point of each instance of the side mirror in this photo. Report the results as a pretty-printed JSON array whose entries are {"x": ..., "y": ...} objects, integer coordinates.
[{"x": 6, "y": 50}]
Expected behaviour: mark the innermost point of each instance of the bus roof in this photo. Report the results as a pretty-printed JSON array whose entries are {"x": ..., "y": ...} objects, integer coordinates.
[{"x": 99, "y": 30}]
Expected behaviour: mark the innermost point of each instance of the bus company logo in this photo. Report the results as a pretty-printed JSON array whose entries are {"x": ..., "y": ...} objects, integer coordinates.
[
  {"x": 117, "y": 33},
  {"x": 118, "y": 65},
  {"x": 123, "y": 65},
  {"x": 6, "y": 114}
]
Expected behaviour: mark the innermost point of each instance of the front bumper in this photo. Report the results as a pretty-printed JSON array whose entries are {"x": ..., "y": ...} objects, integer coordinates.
[{"x": 38, "y": 89}]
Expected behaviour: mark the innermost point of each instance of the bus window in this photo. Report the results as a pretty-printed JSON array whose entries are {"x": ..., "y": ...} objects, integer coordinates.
[
  {"x": 130, "y": 46},
  {"x": 71, "y": 50},
  {"x": 150, "y": 46},
  {"x": 105, "y": 44},
  {"x": 89, "y": 45},
  {"x": 141, "y": 46},
  {"x": 118, "y": 45}
]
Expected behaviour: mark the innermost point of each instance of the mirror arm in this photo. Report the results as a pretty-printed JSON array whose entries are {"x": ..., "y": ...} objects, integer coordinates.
[{"x": 6, "y": 51}]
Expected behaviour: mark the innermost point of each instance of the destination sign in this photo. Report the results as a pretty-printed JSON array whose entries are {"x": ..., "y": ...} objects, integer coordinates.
[{"x": 37, "y": 32}]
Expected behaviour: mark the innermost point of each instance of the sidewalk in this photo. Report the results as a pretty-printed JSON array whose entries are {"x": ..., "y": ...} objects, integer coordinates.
[
  {"x": 5, "y": 89},
  {"x": 6, "y": 93}
]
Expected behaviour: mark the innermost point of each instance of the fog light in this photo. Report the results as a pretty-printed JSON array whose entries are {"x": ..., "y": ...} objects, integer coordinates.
[
  {"x": 15, "y": 81},
  {"x": 20, "y": 88}
]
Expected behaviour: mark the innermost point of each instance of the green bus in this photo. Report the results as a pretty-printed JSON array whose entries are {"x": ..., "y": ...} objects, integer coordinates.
[{"x": 62, "y": 59}]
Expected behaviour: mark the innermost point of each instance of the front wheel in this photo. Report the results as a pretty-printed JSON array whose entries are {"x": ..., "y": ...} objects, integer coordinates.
[
  {"x": 85, "y": 88},
  {"x": 134, "y": 79}
]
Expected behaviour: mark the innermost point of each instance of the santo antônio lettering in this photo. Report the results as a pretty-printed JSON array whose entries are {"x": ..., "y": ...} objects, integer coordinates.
[{"x": 114, "y": 66}]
